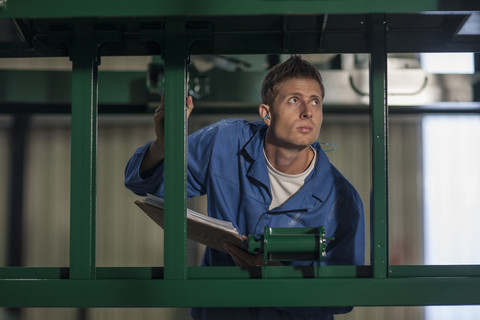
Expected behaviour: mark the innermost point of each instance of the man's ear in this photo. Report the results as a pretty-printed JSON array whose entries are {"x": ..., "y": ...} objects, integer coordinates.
[{"x": 264, "y": 111}]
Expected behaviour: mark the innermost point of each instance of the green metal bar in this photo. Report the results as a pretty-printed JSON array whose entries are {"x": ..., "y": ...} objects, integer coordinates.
[
  {"x": 175, "y": 236},
  {"x": 211, "y": 292},
  {"x": 331, "y": 272},
  {"x": 44, "y": 273},
  {"x": 83, "y": 153},
  {"x": 379, "y": 114},
  {"x": 146, "y": 273},
  {"x": 434, "y": 271},
  {"x": 111, "y": 8}
]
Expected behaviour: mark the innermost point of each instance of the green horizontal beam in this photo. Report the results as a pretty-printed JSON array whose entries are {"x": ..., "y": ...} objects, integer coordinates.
[
  {"x": 284, "y": 32},
  {"x": 111, "y": 8},
  {"x": 195, "y": 273},
  {"x": 145, "y": 273},
  {"x": 211, "y": 292},
  {"x": 462, "y": 108},
  {"x": 53, "y": 87},
  {"x": 126, "y": 92},
  {"x": 434, "y": 271},
  {"x": 145, "y": 287}
]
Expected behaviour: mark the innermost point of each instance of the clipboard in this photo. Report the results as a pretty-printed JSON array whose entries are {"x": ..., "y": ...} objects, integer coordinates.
[{"x": 200, "y": 228}]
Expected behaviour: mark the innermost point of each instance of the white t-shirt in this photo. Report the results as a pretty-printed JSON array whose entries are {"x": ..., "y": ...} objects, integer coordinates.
[{"x": 283, "y": 185}]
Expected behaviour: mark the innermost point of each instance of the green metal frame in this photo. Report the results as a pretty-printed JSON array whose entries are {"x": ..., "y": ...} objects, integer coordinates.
[
  {"x": 379, "y": 114},
  {"x": 175, "y": 248},
  {"x": 111, "y": 8},
  {"x": 83, "y": 153},
  {"x": 82, "y": 284},
  {"x": 135, "y": 287}
]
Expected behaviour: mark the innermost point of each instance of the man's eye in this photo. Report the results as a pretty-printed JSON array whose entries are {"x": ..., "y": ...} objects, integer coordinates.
[
  {"x": 316, "y": 102},
  {"x": 293, "y": 100}
]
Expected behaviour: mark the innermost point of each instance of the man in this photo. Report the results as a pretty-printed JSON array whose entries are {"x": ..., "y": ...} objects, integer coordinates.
[{"x": 265, "y": 173}]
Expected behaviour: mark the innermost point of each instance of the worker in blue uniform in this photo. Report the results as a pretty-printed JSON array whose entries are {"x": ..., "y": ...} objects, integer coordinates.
[{"x": 270, "y": 172}]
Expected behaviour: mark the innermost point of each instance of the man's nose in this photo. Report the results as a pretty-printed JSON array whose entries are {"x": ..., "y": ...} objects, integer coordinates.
[{"x": 306, "y": 111}]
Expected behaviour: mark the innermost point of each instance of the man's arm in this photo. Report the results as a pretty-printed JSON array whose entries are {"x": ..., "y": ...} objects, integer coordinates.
[{"x": 155, "y": 152}]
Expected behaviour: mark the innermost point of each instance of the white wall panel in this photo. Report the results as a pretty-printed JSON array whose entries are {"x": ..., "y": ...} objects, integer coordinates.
[
  {"x": 127, "y": 237},
  {"x": 47, "y": 197},
  {"x": 353, "y": 158}
]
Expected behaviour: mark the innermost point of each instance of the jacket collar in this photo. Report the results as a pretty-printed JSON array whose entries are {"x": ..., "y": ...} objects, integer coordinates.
[
  {"x": 253, "y": 149},
  {"x": 320, "y": 181},
  {"x": 317, "y": 188}
]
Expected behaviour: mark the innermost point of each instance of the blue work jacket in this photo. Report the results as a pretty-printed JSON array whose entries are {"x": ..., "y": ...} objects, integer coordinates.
[{"x": 225, "y": 160}]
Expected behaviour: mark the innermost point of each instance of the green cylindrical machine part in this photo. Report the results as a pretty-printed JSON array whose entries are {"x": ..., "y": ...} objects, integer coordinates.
[{"x": 290, "y": 244}]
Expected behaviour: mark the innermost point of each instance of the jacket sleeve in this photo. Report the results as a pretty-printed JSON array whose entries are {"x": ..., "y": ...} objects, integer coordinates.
[
  {"x": 150, "y": 181},
  {"x": 200, "y": 147},
  {"x": 199, "y": 153},
  {"x": 348, "y": 248}
]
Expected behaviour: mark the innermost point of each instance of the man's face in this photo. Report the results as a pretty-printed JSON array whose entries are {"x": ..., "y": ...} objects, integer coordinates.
[{"x": 296, "y": 115}]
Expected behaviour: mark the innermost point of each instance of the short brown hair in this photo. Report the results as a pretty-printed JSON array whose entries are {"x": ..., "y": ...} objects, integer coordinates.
[{"x": 294, "y": 67}]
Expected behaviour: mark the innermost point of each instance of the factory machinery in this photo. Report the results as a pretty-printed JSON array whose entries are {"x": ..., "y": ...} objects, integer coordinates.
[{"x": 86, "y": 31}]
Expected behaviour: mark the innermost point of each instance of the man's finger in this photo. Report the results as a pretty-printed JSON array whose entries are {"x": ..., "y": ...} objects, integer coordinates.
[
  {"x": 227, "y": 248},
  {"x": 189, "y": 105},
  {"x": 241, "y": 257}
]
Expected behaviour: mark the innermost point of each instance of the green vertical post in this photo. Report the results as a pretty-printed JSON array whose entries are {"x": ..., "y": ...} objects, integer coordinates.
[
  {"x": 83, "y": 152},
  {"x": 175, "y": 225},
  {"x": 379, "y": 113}
]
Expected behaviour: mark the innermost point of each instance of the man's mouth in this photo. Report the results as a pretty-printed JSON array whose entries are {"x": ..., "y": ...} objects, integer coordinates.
[{"x": 305, "y": 129}]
